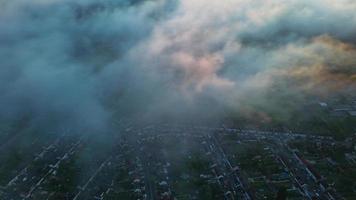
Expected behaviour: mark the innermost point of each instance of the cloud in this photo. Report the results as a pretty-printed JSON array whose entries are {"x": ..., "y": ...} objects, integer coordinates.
[
  {"x": 52, "y": 52},
  {"x": 79, "y": 64}
]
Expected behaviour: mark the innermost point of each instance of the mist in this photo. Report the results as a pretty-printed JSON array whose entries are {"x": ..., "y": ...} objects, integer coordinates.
[{"x": 82, "y": 64}]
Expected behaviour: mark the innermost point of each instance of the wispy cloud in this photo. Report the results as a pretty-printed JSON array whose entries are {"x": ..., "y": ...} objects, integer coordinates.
[{"x": 77, "y": 63}]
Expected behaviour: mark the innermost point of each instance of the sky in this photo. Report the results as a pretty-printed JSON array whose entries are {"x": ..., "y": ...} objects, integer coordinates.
[{"x": 79, "y": 64}]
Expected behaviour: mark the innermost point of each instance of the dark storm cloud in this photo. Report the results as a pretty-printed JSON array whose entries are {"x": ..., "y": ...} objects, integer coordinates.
[{"x": 78, "y": 64}]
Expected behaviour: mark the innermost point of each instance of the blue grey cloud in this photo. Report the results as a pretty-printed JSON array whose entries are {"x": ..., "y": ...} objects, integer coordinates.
[{"x": 78, "y": 64}]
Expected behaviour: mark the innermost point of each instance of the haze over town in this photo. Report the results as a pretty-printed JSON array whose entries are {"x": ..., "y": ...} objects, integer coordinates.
[{"x": 177, "y": 99}]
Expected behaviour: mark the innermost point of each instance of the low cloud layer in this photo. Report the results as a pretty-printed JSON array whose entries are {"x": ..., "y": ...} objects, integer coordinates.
[{"x": 80, "y": 64}]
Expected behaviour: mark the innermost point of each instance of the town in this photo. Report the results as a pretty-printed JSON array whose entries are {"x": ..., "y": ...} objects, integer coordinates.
[{"x": 180, "y": 161}]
